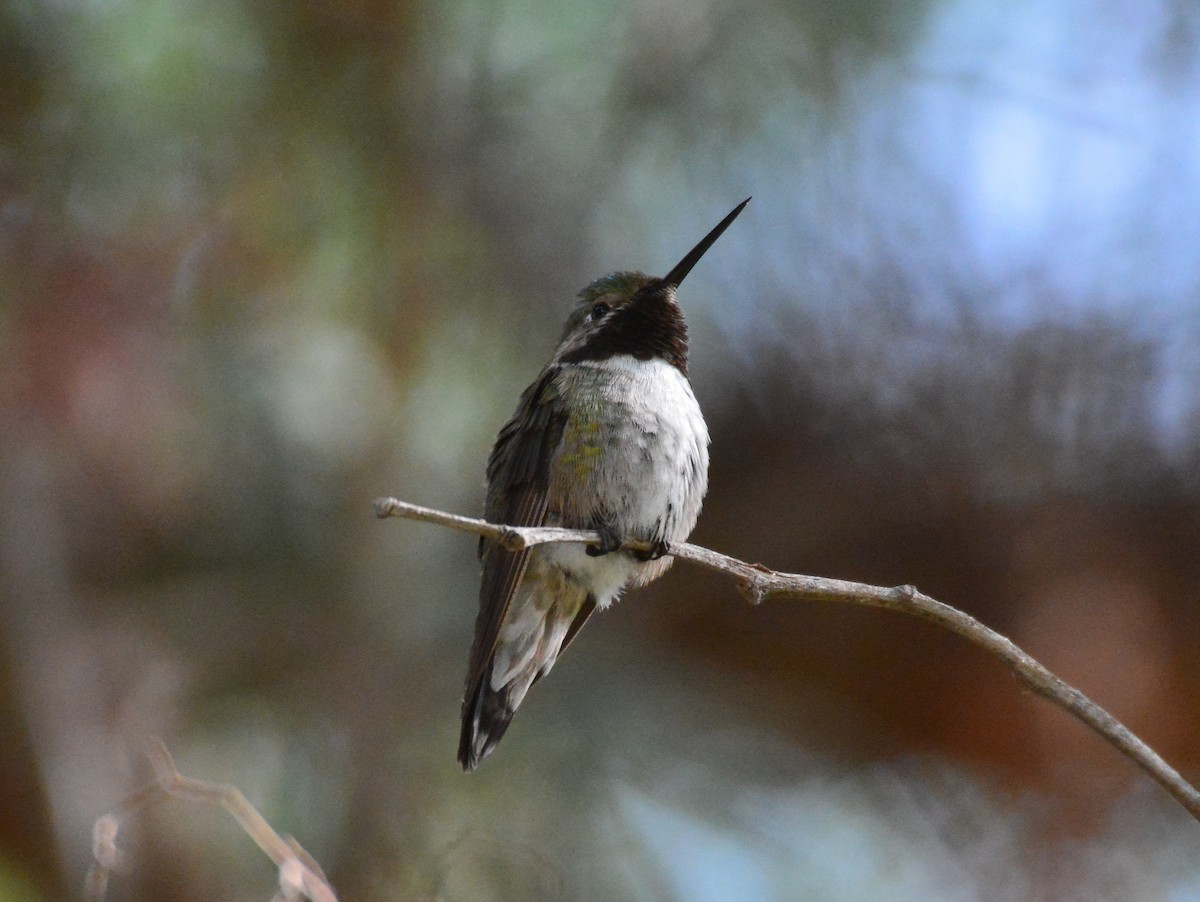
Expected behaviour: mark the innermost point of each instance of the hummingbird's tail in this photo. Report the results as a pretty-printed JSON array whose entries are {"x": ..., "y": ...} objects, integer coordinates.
[
  {"x": 485, "y": 718},
  {"x": 529, "y": 642}
]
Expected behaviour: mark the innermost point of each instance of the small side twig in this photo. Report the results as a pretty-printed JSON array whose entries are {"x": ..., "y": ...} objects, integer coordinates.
[
  {"x": 759, "y": 583},
  {"x": 300, "y": 877}
]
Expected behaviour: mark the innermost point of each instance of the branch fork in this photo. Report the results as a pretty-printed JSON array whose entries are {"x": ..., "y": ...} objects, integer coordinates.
[{"x": 300, "y": 877}]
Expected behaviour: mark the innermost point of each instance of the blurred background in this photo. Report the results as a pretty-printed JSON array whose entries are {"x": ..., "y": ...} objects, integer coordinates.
[{"x": 261, "y": 263}]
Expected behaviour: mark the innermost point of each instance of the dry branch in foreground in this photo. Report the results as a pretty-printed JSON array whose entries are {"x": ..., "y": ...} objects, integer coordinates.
[
  {"x": 300, "y": 877},
  {"x": 758, "y": 583}
]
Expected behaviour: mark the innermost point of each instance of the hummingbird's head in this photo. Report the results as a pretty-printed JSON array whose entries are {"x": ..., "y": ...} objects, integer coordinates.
[{"x": 635, "y": 314}]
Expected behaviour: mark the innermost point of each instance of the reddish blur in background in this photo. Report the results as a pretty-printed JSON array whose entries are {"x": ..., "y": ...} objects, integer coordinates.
[{"x": 261, "y": 263}]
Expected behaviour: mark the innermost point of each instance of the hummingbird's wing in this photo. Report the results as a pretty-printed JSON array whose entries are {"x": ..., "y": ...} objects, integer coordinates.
[{"x": 518, "y": 483}]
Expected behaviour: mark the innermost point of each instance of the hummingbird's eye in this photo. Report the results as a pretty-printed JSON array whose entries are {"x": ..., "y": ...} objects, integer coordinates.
[{"x": 599, "y": 310}]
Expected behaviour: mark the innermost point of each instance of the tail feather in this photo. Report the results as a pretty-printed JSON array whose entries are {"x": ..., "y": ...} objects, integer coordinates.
[
  {"x": 529, "y": 643},
  {"x": 485, "y": 718}
]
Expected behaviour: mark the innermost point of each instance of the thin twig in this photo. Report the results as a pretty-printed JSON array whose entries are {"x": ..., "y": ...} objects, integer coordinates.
[
  {"x": 758, "y": 583},
  {"x": 300, "y": 877}
]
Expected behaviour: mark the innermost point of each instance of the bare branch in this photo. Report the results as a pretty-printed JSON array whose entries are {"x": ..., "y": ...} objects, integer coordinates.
[
  {"x": 758, "y": 583},
  {"x": 300, "y": 877}
]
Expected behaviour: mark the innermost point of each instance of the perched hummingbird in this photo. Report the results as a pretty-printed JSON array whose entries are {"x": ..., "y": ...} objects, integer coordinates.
[{"x": 608, "y": 437}]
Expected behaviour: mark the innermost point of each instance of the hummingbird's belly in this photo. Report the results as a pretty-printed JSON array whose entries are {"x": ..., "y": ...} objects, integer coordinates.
[
  {"x": 635, "y": 455},
  {"x": 602, "y": 577}
]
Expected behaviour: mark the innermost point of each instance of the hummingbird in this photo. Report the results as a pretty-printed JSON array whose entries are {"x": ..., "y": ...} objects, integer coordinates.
[{"x": 608, "y": 437}]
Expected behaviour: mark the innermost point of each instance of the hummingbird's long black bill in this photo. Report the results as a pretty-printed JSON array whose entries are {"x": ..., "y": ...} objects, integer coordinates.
[{"x": 684, "y": 266}]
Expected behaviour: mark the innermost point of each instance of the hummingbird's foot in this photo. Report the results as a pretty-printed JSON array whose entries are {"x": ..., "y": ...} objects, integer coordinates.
[
  {"x": 610, "y": 540},
  {"x": 659, "y": 548}
]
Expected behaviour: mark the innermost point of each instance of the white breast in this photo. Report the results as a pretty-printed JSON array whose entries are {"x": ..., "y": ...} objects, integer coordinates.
[
  {"x": 669, "y": 483},
  {"x": 653, "y": 471}
]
